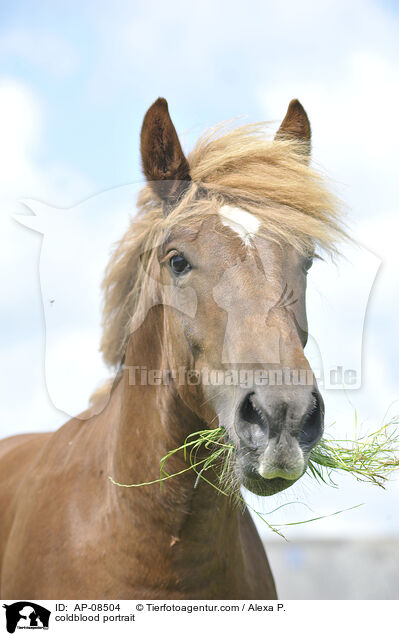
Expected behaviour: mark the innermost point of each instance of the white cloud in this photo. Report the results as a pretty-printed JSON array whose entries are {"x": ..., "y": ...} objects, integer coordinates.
[
  {"x": 74, "y": 254},
  {"x": 20, "y": 127},
  {"x": 22, "y": 132}
]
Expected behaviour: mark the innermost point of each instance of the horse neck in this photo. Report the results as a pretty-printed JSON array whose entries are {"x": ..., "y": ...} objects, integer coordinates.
[{"x": 153, "y": 420}]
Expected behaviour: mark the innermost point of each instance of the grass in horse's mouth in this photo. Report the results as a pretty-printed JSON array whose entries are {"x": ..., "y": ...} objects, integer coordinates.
[{"x": 369, "y": 458}]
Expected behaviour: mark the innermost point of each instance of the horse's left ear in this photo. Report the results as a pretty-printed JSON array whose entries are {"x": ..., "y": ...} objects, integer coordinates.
[
  {"x": 295, "y": 125},
  {"x": 164, "y": 163}
]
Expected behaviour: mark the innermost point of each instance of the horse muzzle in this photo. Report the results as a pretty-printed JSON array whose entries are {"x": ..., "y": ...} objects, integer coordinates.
[{"x": 276, "y": 432}]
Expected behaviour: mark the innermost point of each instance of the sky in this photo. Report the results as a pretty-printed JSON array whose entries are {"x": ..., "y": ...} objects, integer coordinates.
[{"x": 75, "y": 82}]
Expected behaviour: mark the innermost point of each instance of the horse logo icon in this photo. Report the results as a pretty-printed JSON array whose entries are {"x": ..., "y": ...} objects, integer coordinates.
[{"x": 26, "y": 615}]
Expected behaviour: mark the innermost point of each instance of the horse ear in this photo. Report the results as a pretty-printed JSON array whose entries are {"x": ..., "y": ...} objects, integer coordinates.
[
  {"x": 295, "y": 125},
  {"x": 164, "y": 163}
]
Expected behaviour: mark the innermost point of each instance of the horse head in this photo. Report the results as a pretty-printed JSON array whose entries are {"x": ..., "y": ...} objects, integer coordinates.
[{"x": 234, "y": 228}]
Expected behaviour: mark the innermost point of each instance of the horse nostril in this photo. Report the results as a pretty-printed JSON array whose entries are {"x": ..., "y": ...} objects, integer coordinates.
[
  {"x": 253, "y": 428},
  {"x": 251, "y": 413},
  {"x": 312, "y": 425}
]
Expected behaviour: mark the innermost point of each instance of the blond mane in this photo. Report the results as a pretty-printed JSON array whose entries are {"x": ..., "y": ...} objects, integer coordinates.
[{"x": 242, "y": 166}]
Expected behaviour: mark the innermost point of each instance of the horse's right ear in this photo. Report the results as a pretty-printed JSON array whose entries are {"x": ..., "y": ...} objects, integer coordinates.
[{"x": 164, "y": 164}]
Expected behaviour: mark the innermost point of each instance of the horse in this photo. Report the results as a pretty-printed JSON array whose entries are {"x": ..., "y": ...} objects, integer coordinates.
[{"x": 210, "y": 275}]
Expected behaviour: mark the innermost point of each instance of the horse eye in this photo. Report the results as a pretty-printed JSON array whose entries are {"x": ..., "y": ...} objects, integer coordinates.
[{"x": 179, "y": 265}]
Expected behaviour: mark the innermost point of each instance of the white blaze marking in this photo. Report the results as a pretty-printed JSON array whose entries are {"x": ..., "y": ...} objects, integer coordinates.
[{"x": 240, "y": 221}]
